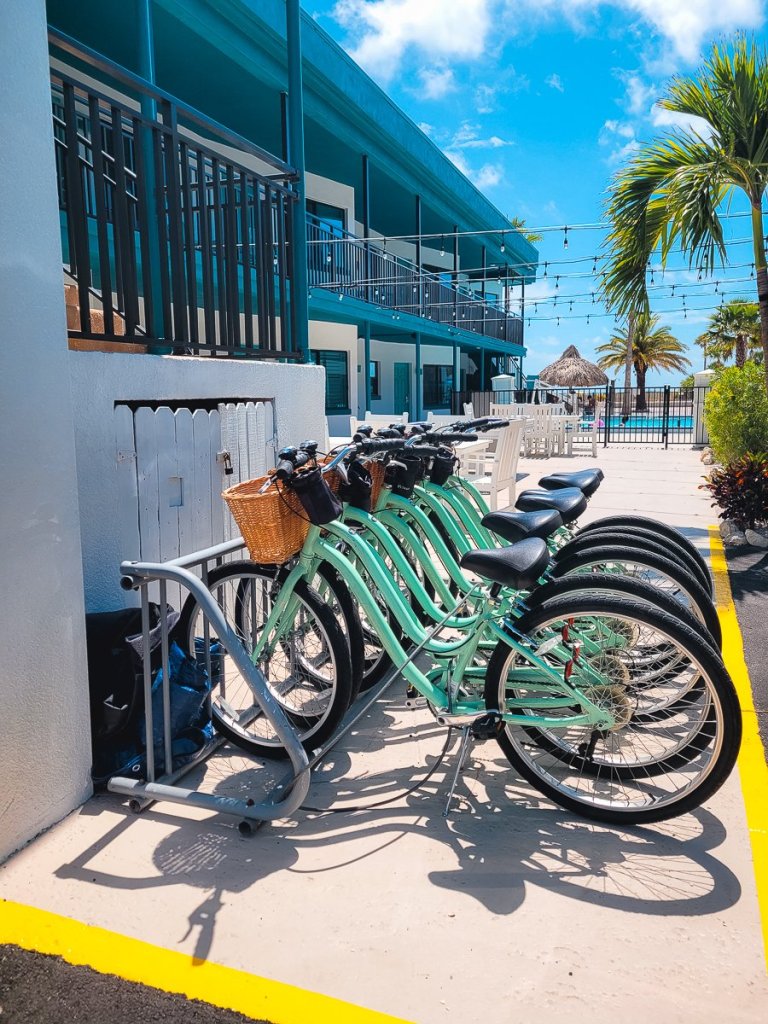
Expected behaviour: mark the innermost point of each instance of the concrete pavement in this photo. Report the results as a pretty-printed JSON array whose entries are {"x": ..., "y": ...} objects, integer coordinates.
[{"x": 511, "y": 910}]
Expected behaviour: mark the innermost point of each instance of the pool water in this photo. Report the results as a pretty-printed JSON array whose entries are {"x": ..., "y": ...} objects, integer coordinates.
[{"x": 651, "y": 423}]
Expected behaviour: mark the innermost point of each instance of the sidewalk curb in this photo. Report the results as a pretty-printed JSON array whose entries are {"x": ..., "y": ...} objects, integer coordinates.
[
  {"x": 133, "y": 960},
  {"x": 753, "y": 771}
]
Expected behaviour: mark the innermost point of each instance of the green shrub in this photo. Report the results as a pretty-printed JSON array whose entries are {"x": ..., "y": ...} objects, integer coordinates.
[
  {"x": 736, "y": 412},
  {"x": 740, "y": 490}
]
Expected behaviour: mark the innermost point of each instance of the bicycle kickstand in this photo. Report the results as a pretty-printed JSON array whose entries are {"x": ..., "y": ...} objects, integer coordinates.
[{"x": 467, "y": 739}]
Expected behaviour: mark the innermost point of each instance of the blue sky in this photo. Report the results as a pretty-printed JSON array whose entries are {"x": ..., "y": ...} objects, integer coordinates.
[{"x": 539, "y": 102}]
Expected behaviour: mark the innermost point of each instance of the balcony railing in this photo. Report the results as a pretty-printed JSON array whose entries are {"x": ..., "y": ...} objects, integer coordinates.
[
  {"x": 165, "y": 236},
  {"x": 345, "y": 265}
]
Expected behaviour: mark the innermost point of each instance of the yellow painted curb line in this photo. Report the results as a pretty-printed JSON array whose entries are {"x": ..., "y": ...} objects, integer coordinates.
[
  {"x": 110, "y": 953},
  {"x": 753, "y": 770}
]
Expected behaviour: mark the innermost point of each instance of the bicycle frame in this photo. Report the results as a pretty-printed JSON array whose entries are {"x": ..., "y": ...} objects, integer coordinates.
[{"x": 454, "y": 658}]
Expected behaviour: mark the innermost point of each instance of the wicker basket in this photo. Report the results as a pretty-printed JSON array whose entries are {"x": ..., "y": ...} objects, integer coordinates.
[{"x": 273, "y": 524}]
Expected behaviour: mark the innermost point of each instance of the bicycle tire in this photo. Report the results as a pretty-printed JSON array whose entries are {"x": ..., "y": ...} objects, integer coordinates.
[
  {"x": 662, "y": 529},
  {"x": 594, "y": 558},
  {"x": 626, "y": 586},
  {"x": 633, "y": 538},
  {"x": 240, "y": 724},
  {"x": 526, "y": 754}
]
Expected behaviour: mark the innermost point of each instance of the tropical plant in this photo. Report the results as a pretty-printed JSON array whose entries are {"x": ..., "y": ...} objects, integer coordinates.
[
  {"x": 736, "y": 413},
  {"x": 653, "y": 348},
  {"x": 740, "y": 490},
  {"x": 734, "y": 330},
  {"x": 671, "y": 191},
  {"x": 530, "y": 236}
]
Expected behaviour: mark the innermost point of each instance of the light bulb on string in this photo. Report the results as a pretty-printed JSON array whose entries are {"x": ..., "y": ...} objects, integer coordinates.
[
  {"x": 503, "y": 246},
  {"x": 565, "y": 237},
  {"x": 545, "y": 268},
  {"x": 442, "y": 245},
  {"x": 558, "y": 321},
  {"x": 557, "y": 281},
  {"x": 594, "y": 265},
  {"x": 594, "y": 300},
  {"x": 328, "y": 257},
  {"x": 587, "y": 319}
]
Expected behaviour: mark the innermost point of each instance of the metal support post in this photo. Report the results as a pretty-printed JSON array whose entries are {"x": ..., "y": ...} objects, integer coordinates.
[
  {"x": 367, "y": 367},
  {"x": 419, "y": 379},
  {"x": 299, "y": 292}
]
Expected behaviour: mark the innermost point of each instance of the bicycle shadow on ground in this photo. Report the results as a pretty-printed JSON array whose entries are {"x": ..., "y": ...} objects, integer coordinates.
[{"x": 502, "y": 836}]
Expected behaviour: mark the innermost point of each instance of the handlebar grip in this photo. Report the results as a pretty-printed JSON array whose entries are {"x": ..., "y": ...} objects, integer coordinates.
[
  {"x": 424, "y": 451},
  {"x": 284, "y": 469},
  {"x": 449, "y": 438},
  {"x": 370, "y": 447},
  {"x": 388, "y": 432}
]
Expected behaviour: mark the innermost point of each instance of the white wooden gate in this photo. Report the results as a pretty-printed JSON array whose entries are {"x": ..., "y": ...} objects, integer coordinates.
[{"x": 172, "y": 470}]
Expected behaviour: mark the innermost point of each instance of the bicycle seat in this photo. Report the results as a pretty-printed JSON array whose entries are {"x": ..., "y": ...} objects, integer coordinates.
[
  {"x": 587, "y": 480},
  {"x": 517, "y": 526},
  {"x": 570, "y": 502},
  {"x": 518, "y": 566}
]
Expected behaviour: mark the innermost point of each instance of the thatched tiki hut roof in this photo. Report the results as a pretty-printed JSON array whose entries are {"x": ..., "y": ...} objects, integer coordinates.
[{"x": 571, "y": 371}]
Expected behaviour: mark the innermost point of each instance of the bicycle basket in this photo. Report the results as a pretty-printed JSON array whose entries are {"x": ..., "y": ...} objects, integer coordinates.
[
  {"x": 403, "y": 472},
  {"x": 273, "y": 524},
  {"x": 357, "y": 490},
  {"x": 442, "y": 466},
  {"x": 376, "y": 470},
  {"x": 320, "y": 504}
]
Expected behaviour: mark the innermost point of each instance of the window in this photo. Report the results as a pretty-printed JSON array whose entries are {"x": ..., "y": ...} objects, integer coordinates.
[
  {"x": 333, "y": 218},
  {"x": 438, "y": 384},
  {"x": 336, "y": 379},
  {"x": 374, "y": 374}
]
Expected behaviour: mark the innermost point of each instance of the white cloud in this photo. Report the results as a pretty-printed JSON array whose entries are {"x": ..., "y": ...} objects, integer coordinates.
[
  {"x": 483, "y": 177},
  {"x": 436, "y": 83},
  {"x": 484, "y": 99},
  {"x": 385, "y": 30},
  {"x": 611, "y": 135},
  {"x": 426, "y": 128},
  {"x": 555, "y": 82},
  {"x": 662, "y": 118}
]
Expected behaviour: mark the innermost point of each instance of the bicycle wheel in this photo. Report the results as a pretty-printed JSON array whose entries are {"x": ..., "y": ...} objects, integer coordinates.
[
  {"x": 669, "y": 533},
  {"x": 618, "y": 585},
  {"x": 677, "y": 733},
  {"x": 661, "y": 572},
  {"x": 306, "y": 662},
  {"x": 633, "y": 538}
]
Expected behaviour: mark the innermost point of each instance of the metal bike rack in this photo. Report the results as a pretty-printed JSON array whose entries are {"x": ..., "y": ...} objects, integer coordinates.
[{"x": 284, "y": 798}]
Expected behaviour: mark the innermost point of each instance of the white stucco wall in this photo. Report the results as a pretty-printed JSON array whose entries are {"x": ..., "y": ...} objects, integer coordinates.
[
  {"x": 45, "y": 751},
  {"x": 99, "y": 380},
  {"x": 387, "y": 354}
]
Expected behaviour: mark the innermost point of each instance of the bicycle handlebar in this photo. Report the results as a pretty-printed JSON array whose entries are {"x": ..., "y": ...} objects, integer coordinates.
[
  {"x": 449, "y": 438},
  {"x": 370, "y": 446}
]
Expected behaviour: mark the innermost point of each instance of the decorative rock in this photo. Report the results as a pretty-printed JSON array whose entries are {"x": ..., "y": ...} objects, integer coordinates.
[
  {"x": 758, "y": 537},
  {"x": 708, "y": 457},
  {"x": 732, "y": 534}
]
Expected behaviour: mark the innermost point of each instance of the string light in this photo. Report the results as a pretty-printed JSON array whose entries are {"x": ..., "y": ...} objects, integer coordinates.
[
  {"x": 442, "y": 245},
  {"x": 565, "y": 237},
  {"x": 503, "y": 244}
]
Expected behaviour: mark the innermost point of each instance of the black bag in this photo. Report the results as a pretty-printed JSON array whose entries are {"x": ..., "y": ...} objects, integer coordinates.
[
  {"x": 318, "y": 500},
  {"x": 357, "y": 490},
  {"x": 443, "y": 465},
  {"x": 116, "y": 684},
  {"x": 402, "y": 473}
]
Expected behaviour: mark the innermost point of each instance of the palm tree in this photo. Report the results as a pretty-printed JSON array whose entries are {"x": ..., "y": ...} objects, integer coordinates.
[
  {"x": 671, "y": 191},
  {"x": 653, "y": 348},
  {"x": 733, "y": 329}
]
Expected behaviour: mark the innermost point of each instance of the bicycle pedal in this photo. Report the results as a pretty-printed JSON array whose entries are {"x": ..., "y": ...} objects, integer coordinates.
[
  {"x": 417, "y": 701},
  {"x": 488, "y": 726}
]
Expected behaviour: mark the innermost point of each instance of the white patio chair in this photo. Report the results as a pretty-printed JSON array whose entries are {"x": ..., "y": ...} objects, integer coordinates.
[
  {"x": 586, "y": 431},
  {"x": 469, "y": 410},
  {"x": 502, "y": 473}
]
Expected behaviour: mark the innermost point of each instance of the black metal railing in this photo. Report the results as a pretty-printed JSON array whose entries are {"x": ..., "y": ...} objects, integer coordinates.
[
  {"x": 345, "y": 265},
  {"x": 166, "y": 237},
  {"x": 667, "y": 416}
]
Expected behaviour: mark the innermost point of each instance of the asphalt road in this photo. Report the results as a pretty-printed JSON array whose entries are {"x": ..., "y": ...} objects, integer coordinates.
[
  {"x": 748, "y": 570},
  {"x": 37, "y": 989}
]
